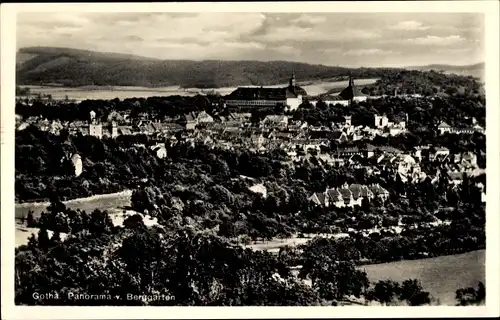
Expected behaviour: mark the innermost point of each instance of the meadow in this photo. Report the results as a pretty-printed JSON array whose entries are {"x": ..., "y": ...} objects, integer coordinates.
[
  {"x": 313, "y": 88},
  {"x": 441, "y": 276}
]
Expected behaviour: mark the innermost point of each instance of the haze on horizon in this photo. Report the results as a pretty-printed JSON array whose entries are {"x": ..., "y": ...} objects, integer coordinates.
[{"x": 344, "y": 39}]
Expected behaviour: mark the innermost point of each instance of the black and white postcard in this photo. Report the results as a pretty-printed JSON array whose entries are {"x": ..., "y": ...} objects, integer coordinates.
[{"x": 330, "y": 158}]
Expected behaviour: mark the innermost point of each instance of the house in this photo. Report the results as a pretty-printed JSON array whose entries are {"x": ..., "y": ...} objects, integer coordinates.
[
  {"x": 379, "y": 192},
  {"x": 369, "y": 151},
  {"x": 160, "y": 150},
  {"x": 275, "y": 120},
  {"x": 310, "y": 144},
  {"x": 406, "y": 163},
  {"x": 421, "y": 152},
  {"x": 441, "y": 152},
  {"x": 239, "y": 118},
  {"x": 361, "y": 191},
  {"x": 191, "y": 121},
  {"x": 443, "y": 128},
  {"x": 319, "y": 199},
  {"x": 455, "y": 178},
  {"x": 280, "y": 135},
  {"x": 389, "y": 150},
  {"x": 348, "y": 152},
  {"x": 347, "y": 121},
  {"x": 381, "y": 121},
  {"x": 172, "y": 127},
  {"x": 396, "y": 130},
  {"x": 204, "y": 117},
  {"x": 257, "y": 140},
  {"x": 469, "y": 159},
  {"x": 124, "y": 130},
  {"x": 334, "y": 197},
  {"x": 478, "y": 128},
  {"x": 324, "y": 133},
  {"x": 145, "y": 128},
  {"x": 329, "y": 99},
  {"x": 297, "y": 126},
  {"x": 349, "y": 195}
]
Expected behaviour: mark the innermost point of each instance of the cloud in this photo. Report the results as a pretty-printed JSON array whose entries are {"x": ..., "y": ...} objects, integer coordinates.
[
  {"x": 365, "y": 52},
  {"x": 438, "y": 41},
  {"x": 133, "y": 38},
  {"x": 409, "y": 25},
  {"x": 370, "y": 39},
  {"x": 52, "y": 20},
  {"x": 308, "y": 20},
  {"x": 296, "y": 33}
]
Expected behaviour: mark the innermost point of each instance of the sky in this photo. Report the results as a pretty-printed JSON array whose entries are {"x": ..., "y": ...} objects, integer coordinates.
[{"x": 337, "y": 39}]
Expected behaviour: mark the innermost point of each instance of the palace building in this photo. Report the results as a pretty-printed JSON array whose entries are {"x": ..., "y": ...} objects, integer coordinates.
[{"x": 289, "y": 97}]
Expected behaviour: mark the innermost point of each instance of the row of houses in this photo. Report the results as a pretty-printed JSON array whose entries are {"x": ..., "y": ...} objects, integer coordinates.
[
  {"x": 349, "y": 195},
  {"x": 444, "y": 128}
]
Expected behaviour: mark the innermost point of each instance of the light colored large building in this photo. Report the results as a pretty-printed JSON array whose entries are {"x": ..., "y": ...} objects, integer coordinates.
[{"x": 289, "y": 97}]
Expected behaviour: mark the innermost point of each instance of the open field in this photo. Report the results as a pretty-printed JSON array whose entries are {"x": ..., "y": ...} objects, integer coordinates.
[
  {"x": 313, "y": 88},
  {"x": 441, "y": 276},
  {"x": 114, "y": 203},
  {"x": 111, "y": 202}
]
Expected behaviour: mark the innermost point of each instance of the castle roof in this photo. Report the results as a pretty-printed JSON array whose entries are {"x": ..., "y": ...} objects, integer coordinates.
[
  {"x": 268, "y": 93},
  {"x": 265, "y": 93}
]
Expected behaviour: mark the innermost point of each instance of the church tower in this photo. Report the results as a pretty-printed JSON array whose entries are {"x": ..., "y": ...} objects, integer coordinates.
[
  {"x": 95, "y": 127},
  {"x": 292, "y": 80},
  {"x": 113, "y": 130}
]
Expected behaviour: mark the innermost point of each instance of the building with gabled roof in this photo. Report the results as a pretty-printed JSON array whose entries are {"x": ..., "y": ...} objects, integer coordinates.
[
  {"x": 273, "y": 119},
  {"x": 349, "y": 195},
  {"x": 443, "y": 128},
  {"x": 255, "y": 97}
]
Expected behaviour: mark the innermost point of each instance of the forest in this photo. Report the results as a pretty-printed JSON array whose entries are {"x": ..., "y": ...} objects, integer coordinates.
[{"x": 73, "y": 68}]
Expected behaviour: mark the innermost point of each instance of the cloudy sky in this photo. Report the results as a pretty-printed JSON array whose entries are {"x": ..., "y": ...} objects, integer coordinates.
[{"x": 345, "y": 39}]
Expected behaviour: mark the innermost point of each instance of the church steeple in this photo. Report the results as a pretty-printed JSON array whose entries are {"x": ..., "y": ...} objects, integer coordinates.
[{"x": 292, "y": 80}]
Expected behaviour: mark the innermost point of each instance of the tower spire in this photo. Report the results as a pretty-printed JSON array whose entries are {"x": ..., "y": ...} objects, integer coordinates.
[{"x": 292, "y": 80}]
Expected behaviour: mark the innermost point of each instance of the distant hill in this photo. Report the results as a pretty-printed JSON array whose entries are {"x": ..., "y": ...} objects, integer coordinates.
[
  {"x": 72, "y": 67},
  {"x": 77, "y": 68},
  {"x": 475, "y": 70}
]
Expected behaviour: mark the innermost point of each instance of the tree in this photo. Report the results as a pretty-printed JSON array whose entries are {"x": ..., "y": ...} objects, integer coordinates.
[
  {"x": 471, "y": 296},
  {"x": 411, "y": 291},
  {"x": 43, "y": 239},
  {"x": 30, "y": 220},
  {"x": 56, "y": 237},
  {"x": 100, "y": 222},
  {"x": 385, "y": 291},
  {"x": 134, "y": 221},
  {"x": 56, "y": 206}
]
